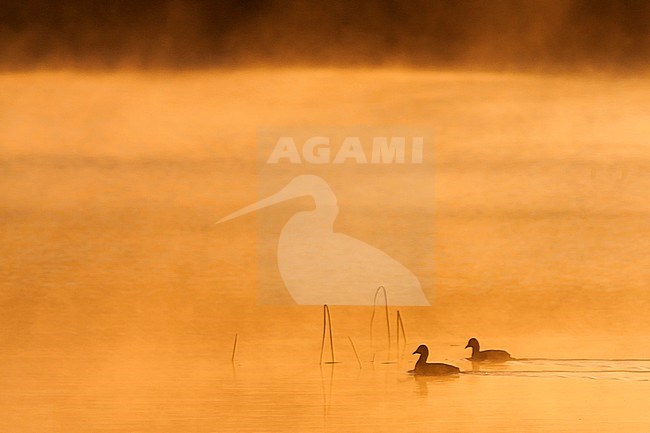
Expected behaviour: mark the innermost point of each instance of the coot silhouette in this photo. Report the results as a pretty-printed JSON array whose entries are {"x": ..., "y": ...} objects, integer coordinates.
[
  {"x": 479, "y": 355},
  {"x": 424, "y": 368}
]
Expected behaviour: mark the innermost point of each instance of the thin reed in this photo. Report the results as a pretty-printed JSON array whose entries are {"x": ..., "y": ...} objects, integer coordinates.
[
  {"x": 400, "y": 329},
  {"x": 327, "y": 322},
  {"x": 355, "y": 352},
  {"x": 234, "y": 349},
  {"x": 372, "y": 318}
]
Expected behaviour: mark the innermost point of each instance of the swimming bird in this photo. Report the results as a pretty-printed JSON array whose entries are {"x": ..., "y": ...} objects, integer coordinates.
[
  {"x": 424, "y": 368},
  {"x": 320, "y": 266},
  {"x": 486, "y": 355}
]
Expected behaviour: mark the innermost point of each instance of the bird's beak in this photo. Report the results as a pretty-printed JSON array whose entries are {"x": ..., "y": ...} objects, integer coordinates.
[
  {"x": 466, "y": 346},
  {"x": 415, "y": 352},
  {"x": 282, "y": 195}
]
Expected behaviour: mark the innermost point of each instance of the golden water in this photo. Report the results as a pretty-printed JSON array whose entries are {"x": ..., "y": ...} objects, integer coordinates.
[{"x": 120, "y": 297}]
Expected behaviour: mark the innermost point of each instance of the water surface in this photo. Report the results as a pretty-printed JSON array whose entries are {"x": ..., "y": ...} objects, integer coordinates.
[{"x": 120, "y": 297}]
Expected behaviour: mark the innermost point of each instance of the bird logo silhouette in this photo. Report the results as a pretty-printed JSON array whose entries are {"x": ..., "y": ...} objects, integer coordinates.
[{"x": 320, "y": 266}]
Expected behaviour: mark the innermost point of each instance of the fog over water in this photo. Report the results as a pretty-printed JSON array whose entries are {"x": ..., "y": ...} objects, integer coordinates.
[{"x": 127, "y": 130}]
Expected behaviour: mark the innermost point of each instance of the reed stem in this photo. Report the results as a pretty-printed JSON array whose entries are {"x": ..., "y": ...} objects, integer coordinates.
[
  {"x": 327, "y": 320},
  {"x": 372, "y": 318},
  {"x": 234, "y": 348},
  {"x": 355, "y": 352},
  {"x": 400, "y": 327}
]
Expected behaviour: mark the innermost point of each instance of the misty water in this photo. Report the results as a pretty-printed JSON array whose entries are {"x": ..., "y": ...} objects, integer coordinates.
[{"x": 120, "y": 297}]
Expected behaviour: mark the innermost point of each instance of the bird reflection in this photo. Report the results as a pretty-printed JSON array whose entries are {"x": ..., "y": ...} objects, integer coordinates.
[
  {"x": 477, "y": 365},
  {"x": 422, "y": 382}
]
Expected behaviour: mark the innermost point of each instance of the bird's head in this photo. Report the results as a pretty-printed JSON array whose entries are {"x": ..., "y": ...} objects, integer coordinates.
[
  {"x": 473, "y": 343},
  {"x": 422, "y": 350}
]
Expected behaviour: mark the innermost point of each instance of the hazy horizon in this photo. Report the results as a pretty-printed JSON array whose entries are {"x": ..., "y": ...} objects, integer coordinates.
[{"x": 186, "y": 34}]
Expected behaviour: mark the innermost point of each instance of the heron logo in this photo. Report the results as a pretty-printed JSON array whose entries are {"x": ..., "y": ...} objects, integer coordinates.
[{"x": 326, "y": 253}]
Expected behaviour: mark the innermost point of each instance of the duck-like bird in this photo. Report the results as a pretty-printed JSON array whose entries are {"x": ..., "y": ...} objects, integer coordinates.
[
  {"x": 479, "y": 355},
  {"x": 424, "y": 368}
]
